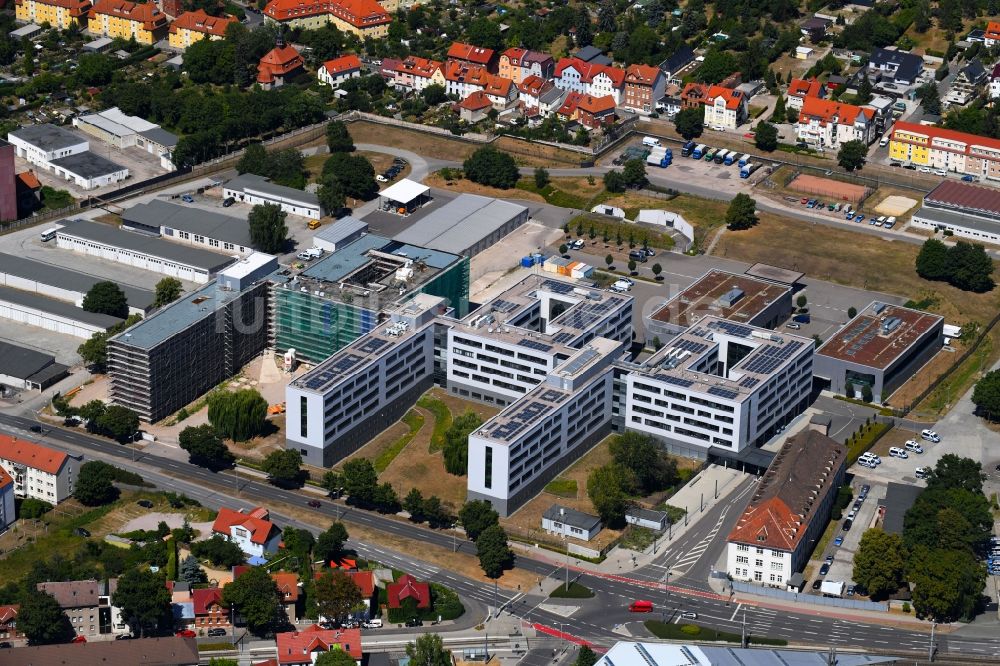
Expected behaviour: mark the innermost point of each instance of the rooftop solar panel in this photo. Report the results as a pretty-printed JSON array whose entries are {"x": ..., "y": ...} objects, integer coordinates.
[
  {"x": 734, "y": 329},
  {"x": 501, "y": 305},
  {"x": 749, "y": 382},
  {"x": 729, "y": 394},
  {"x": 534, "y": 344},
  {"x": 371, "y": 345},
  {"x": 551, "y": 395},
  {"x": 676, "y": 381},
  {"x": 563, "y": 338},
  {"x": 558, "y": 287}
]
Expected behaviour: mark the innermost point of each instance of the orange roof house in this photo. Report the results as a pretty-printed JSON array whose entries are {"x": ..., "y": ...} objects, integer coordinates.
[
  {"x": 641, "y": 74},
  {"x": 194, "y": 26},
  {"x": 594, "y": 112},
  {"x": 733, "y": 97},
  {"x": 253, "y": 531},
  {"x": 992, "y": 34},
  {"x": 299, "y": 648},
  {"x": 119, "y": 18},
  {"x": 474, "y": 55},
  {"x": 279, "y": 63},
  {"x": 828, "y": 111},
  {"x": 407, "y": 587},
  {"x": 29, "y": 454}
]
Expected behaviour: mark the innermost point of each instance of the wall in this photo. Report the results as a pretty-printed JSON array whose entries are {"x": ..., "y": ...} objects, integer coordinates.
[{"x": 8, "y": 196}]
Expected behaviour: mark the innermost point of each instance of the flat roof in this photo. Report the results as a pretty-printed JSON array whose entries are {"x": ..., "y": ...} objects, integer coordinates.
[
  {"x": 879, "y": 335},
  {"x": 404, "y": 191},
  {"x": 956, "y": 219},
  {"x": 341, "y": 229},
  {"x": 461, "y": 223},
  {"x": 98, "y": 43},
  {"x": 965, "y": 197},
  {"x": 251, "y": 182},
  {"x": 899, "y": 497},
  {"x": 30, "y": 299},
  {"x": 162, "y": 214},
  {"x": 774, "y": 273},
  {"x": 248, "y": 264},
  {"x": 160, "y": 136},
  {"x": 88, "y": 165},
  {"x": 106, "y": 124},
  {"x": 25, "y": 31},
  {"x": 47, "y": 137},
  {"x": 127, "y": 240},
  {"x": 627, "y": 653},
  {"x": 63, "y": 278},
  {"x": 735, "y": 297},
  {"x": 21, "y": 362},
  {"x": 179, "y": 315},
  {"x": 169, "y": 651}
]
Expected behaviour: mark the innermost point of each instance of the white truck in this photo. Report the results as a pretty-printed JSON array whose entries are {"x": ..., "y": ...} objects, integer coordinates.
[{"x": 650, "y": 141}]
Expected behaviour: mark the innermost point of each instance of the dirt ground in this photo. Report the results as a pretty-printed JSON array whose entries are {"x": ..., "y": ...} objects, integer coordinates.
[
  {"x": 905, "y": 394},
  {"x": 467, "y": 186},
  {"x": 151, "y": 519},
  {"x": 380, "y": 162}
]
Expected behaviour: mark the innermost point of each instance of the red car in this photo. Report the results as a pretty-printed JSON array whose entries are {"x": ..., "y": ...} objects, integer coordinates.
[
  {"x": 749, "y": 135},
  {"x": 641, "y": 606},
  {"x": 79, "y": 639},
  {"x": 186, "y": 633}
]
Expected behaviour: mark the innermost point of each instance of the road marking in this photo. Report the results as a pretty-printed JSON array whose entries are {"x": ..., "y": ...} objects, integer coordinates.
[{"x": 735, "y": 611}]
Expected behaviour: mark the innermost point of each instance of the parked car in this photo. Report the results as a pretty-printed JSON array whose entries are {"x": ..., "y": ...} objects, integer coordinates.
[
  {"x": 847, "y": 525},
  {"x": 911, "y": 445},
  {"x": 145, "y": 504},
  {"x": 865, "y": 489},
  {"x": 217, "y": 631},
  {"x": 689, "y": 615},
  {"x": 82, "y": 531},
  {"x": 124, "y": 637},
  {"x": 374, "y": 623},
  {"x": 414, "y": 622},
  {"x": 969, "y": 178},
  {"x": 314, "y": 503},
  {"x": 802, "y": 318},
  {"x": 186, "y": 633},
  {"x": 382, "y": 179},
  {"x": 793, "y": 325},
  {"x": 896, "y": 452},
  {"x": 804, "y": 201},
  {"x": 817, "y": 584},
  {"x": 79, "y": 639},
  {"x": 930, "y": 436},
  {"x": 839, "y": 541},
  {"x": 850, "y": 591},
  {"x": 859, "y": 218},
  {"x": 228, "y": 201},
  {"x": 922, "y": 472},
  {"x": 824, "y": 570},
  {"x": 187, "y": 198}
]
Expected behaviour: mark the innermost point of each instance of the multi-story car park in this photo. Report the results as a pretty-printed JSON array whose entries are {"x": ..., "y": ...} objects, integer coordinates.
[
  {"x": 880, "y": 348},
  {"x": 738, "y": 298},
  {"x": 719, "y": 388},
  {"x": 967, "y": 211}
]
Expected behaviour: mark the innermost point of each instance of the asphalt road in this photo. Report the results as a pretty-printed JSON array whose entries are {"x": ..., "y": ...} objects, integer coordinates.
[{"x": 594, "y": 620}]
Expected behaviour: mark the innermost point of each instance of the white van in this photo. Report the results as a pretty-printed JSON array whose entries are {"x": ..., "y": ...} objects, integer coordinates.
[
  {"x": 884, "y": 141},
  {"x": 650, "y": 141},
  {"x": 896, "y": 452},
  {"x": 374, "y": 623},
  {"x": 911, "y": 445},
  {"x": 49, "y": 234}
]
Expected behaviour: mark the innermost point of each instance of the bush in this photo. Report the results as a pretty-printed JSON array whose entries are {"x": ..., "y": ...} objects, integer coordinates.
[
  {"x": 32, "y": 508},
  {"x": 239, "y": 415},
  {"x": 489, "y": 166},
  {"x": 691, "y": 629}
]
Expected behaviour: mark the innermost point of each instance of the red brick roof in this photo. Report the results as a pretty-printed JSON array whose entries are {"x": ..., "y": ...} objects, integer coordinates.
[
  {"x": 470, "y": 53},
  {"x": 827, "y": 111},
  {"x": 532, "y": 85},
  {"x": 694, "y": 91},
  {"x": 199, "y": 21},
  {"x": 992, "y": 30},
  {"x": 255, "y": 522},
  {"x": 596, "y": 105},
  {"x": 645, "y": 75},
  {"x": 589, "y": 70},
  {"x": 570, "y": 104},
  {"x": 347, "y": 63},
  {"x": 498, "y": 86},
  {"x": 203, "y": 598},
  {"x": 279, "y": 61},
  {"x": 476, "y": 101},
  {"x": 76, "y": 7},
  {"x": 359, "y": 13},
  {"x": 514, "y": 55},
  {"x": 407, "y": 587},
  {"x": 31, "y": 454},
  {"x": 296, "y": 647},
  {"x": 805, "y": 87},
  {"x": 288, "y": 585},
  {"x": 365, "y": 580},
  {"x": 417, "y": 66},
  {"x": 9, "y": 612},
  {"x": 5, "y": 480},
  {"x": 950, "y": 135},
  {"x": 148, "y": 13},
  {"x": 733, "y": 97}
]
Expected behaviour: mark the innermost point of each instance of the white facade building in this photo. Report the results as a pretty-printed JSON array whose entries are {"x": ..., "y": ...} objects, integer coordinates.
[
  {"x": 252, "y": 531},
  {"x": 254, "y": 190},
  {"x": 570, "y": 523},
  {"x": 37, "y": 471},
  {"x": 66, "y": 155},
  {"x": 831, "y": 124}
]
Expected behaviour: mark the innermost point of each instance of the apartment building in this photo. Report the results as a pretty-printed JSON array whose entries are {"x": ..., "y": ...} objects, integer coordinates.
[
  {"x": 644, "y": 86},
  {"x": 87, "y": 604},
  {"x": 365, "y": 18},
  {"x": 413, "y": 73},
  {"x": 191, "y": 27},
  {"x": 588, "y": 78},
  {"x": 302, "y": 648},
  {"x": 37, "y": 471},
  {"x": 251, "y": 530},
  {"x": 7, "y": 515},
  {"x": 518, "y": 64},
  {"x": 719, "y": 388},
  {"x": 463, "y": 79},
  {"x": 335, "y": 72},
  {"x": 967, "y": 83},
  {"x": 540, "y": 94},
  {"x": 595, "y": 112},
  {"x": 725, "y": 108},
  {"x": 800, "y": 89},
  {"x": 829, "y": 124},
  {"x": 60, "y": 14},
  {"x": 473, "y": 56},
  {"x": 946, "y": 149},
  {"x": 120, "y": 18},
  {"x": 902, "y": 67},
  {"x": 788, "y": 511}
]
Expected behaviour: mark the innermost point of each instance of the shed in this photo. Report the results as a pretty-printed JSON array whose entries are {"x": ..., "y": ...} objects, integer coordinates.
[
  {"x": 31, "y": 31},
  {"x": 404, "y": 197},
  {"x": 803, "y": 52},
  {"x": 28, "y": 369},
  {"x": 570, "y": 522},
  {"x": 340, "y": 233},
  {"x": 98, "y": 45},
  {"x": 796, "y": 582},
  {"x": 653, "y": 520}
]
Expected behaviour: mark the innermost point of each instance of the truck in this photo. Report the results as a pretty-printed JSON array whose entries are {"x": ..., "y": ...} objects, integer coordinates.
[
  {"x": 650, "y": 141},
  {"x": 748, "y": 169},
  {"x": 698, "y": 151},
  {"x": 720, "y": 156},
  {"x": 657, "y": 156},
  {"x": 710, "y": 154},
  {"x": 744, "y": 159},
  {"x": 688, "y": 147},
  {"x": 730, "y": 158}
]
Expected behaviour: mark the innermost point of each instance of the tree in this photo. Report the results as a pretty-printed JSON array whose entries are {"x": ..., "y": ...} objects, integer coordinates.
[
  {"x": 254, "y": 160},
  {"x": 435, "y": 513},
  {"x": 766, "y": 136},
  {"x": 476, "y": 516},
  {"x": 434, "y": 94},
  {"x": 778, "y": 115},
  {"x": 801, "y": 300},
  {"x": 336, "y": 595},
  {"x": 742, "y": 212},
  {"x": 335, "y": 657},
  {"x": 880, "y": 563},
  {"x": 92, "y": 410},
  {"x": 119, "y": 423},
  {"x": 456, "y": 442},
  {"x": 255, "y": 596},
  {"x": 614, "y": 181},
  {"x": 428, "y": 650},
  {"x": 168, "y": 290},
  {"x": 947, "y": 584},
  {"x": 956, "y": 473},
  {"x": 268, "y": 232},
  {"x": 609, "y": 487},
  {"x": 852, "y": 312},
  {"x": 495, "y": 556},
  {"x": 717, "y": 65},
  {"x": 338, "y": 139},
  {"x": 541, "y": 177},
  {"x": 634, "y": 173},
  {"x": 986, "y": 395},
  {"x": 484, "y": 32},
  {"x": 238, "y": 415},
  {"x": 353, "y": 174},
  {"x": 191, "y": 571},
  {"x": 563, "y": 249},
  {"x": 852, "y": 154},
  {"x": 330, "y": 543},
  {"x": 95, "y": 69},
  {"x": 218, "y": 550},
  {"x": 360, "y": 481},
  {"x": 970, "y": 268},
  {"x": 143, "y": 599},
  {"x": 413, "y": 504},
  {"x": 585, "y": 657},
  {"x": 283, "y": 467},
  {"x": 93, "y": 485},
  {"x": 640, "y": 454},
  {"x": 32, "y": 508},
  {"x": 205, "y": 448},
  {"x": 332, "y": 481},
  {"x": 932, "y": 260},
  {"x": 94, "y": 351},
  {"x": 930, "y": 99},
  {"x": 690, "y": 123},
  {"x": 331, "y": 195},
  {"x": 386, "y": 500},
  {"x": 42, "y": 621},
  {"x": 106, "y": 298},
  {"x": 489, "y": 166}
]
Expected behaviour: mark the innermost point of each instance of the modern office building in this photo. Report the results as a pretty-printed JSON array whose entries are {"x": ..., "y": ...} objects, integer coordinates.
[
  {"x": 967, "y": 211},
  {"x": 38, "y": 471},
  {"x": 170, "y": 359},
  {"x": 882, "y": 347},
  {"x": 190, "y": 225},
  {"x": 252, "y": 189},
  {"x": 466, "y": 225},
  {"x": 788, "y": 511},
  {"x": 720, "y": 388},
  {"x": 742, "y": 299}
]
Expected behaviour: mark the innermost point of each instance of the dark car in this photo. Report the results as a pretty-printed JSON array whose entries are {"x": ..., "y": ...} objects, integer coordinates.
[
  {"x": 802, "y": 318},
  {"x": 218, "y": 631},
  {"x": 817, "y": 583},
  {"x": 35, "y": 428},
  {"x": 228, "y": 201},
  {"x": 314, "y": 504},
  {"x": 911, "y": 167},
  {"x": 6, "y": 644},
  {"x": 124, "y": 637},
  {"x": 824, "y": 570},
  {"x": 80, "y": 531},
  {"x": 414, "y": 622},
  {"x": 145, "y": 504},
  {"x": 847, "y": 524}
]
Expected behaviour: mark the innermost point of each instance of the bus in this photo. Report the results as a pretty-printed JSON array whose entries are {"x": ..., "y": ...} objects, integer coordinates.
[
  {"x": 698, "y": 151},
  {"x": 688, "y": 147},
  {"x": 49, "y": 234}
]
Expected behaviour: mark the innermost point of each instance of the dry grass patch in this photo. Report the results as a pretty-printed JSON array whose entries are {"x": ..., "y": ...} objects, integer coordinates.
[
  {"x": 380, "y": 162},
  {"x": 580, "y": 186},
  {"x": 918, "y": 383},
  {"x": 467, "y": 186}
]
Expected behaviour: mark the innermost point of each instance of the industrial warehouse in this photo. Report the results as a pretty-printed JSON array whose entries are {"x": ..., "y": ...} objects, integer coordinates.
[{"x": 967, "y": 211}]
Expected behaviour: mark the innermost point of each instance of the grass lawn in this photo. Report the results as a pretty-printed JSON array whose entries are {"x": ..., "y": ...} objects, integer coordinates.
[
  {"x": 568, "y": 192},
  {"x": 575, "y": 591},
  {"x": 961, "y": 379},
  {"x": 686, "y": 632},
  {"x": 415, "y": 421},
  {"x": 380, "y": 161},
  {"x": 562, "y": 487},
  {"x": 581, "y": 225},
  {"x": 442, "y": 419},
  {"x": 467, "y": 186},
  {"x": 637, "y": 538}
]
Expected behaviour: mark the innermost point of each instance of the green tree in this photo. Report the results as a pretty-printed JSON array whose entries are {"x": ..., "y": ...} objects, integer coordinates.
[
  {"x": 801, "y": 300},
  {"x": 428, "y": 650},
  {"x": 94, "y": 351},
  {"x": 489, "y": 166},
  {"x": 435, "y": 513},
  {"x": 331, "y": 195},
  {"x": 640, "y": 454},
  {"x": 335, "y": 657},
  {"x": 954, "y": 472},
  {"x": 742, "y": 212},
  {"x": 191, "y": 571},
  {"x": 778, "y": 115},
  {"x": 354, "y": 174},
  {"x": 222, "y": 661},
  {"x": 434, "y": 94},
  {"x": 932, "y": 260},
  {"x": 634, "y": 174},
  {"x": 947, "y": 584},
  {"x": 864, "y": 91},
  {"x": 969, "y": 267},
  {"x": 338, "y": 139},
  {"x": 386, "y": 500},
  {"x": 986, "y": 395},
  {"x": 657, "y": 269},
  {"x": 690, "y": 123},
  {"x": 614, "y": 181},
  {"x": 168, "y": 290},
  {"x": 930, "y": 98},
  {"x": 609, "y": 260},
  {"x": 484, "y": 32},
  {"x": 880, "y": 563},
  {"x": 298, "y": 542},
  {"x": 254, "y": 160},
  {"x": 336, "y": 595},
  {"x": 330, "y": 543},
  {"x": 41, "y": 619},
  {"x": 476, "y": 516},
  {"x": 255, "y": 596},
  {"x": 106, "y": 298},
  {"x": 852, "y": 155},
  {"x": 585, "y": 657},
  {"x": 92, "y": 410},
  {"x": 456, "y": 442},
  {"x": 360, "y": 481},
  {"x": 238, "y": 415},
  {"x": 119, "y": 423},
  {"x": 852, "y": 312},
  {"x": 268, "y": 232},
  {"x": 495, "y": 556},
  {"x": 332, "y": 481},
  {"x": 609, "y": 488},
  {"x": 413, "y": 504},
  {"x": 93, "y": 485},
  {"x": 95, "y": 69},
  {"x": 283, "y": 467},
  {"x": 717, "y": 65},
  {"x": 32, "y": 508},
  {"x": 205, "y": 448},
  {"x": 766, "y": 136},
  {"x": 218, "y": 550},
  {"x": 143, "y": 599},
  {"x": 541, "y": 177}
]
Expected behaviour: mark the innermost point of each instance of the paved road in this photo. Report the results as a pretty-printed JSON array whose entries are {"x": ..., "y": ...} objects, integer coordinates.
[{"x": 595, "y": 619}]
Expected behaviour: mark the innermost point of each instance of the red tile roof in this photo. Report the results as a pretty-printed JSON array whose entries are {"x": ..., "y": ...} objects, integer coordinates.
[
  {"x": 589, "y": 71},
  {"x": 204, "y": 598},
  {"x": 31, "y": 454},
  {"x": 76, "y": 7},
  {"x": 533, "y": 85},
  {"x": 296, "y": 647},
  {"x": 733, "y": 97},
  {"x": 5, "y": 480},
  {"x": 805, "y": 87},
  {"x": 964, "y": 196},
  {"x": 147, "y": 13},
  {"x": 514, "y": 55},
  {"x": 455, "y": 70},
  {"x": 407, "y": 587},
  {"x": 359, "y": 13},
  {"x": 476, "y": 101},
  {"x": 199, "y": 21},
  {"x": 827, "y": 111},
  {"x": 288, "y": 585},
  {"x": 949, "y": 135},
  {"x": 347, "y": 63},
  {"x": 279, "y": 61},
  {"x": 694, "y": 91},
  {"x": 992, "y": 30},
  {"x": 645, "y": 75},
  {"x": 470, "y": 53},
  {"x": 570, "y": 104},
  {"x": 499, "y": 86},
  {"x": 596, "y": 105},
  {"x": 255, "y": 522},
  {"x": 418, "y": 66},
  {"x": 365, "y": 580},
  {"x": 9, "y": 612}
]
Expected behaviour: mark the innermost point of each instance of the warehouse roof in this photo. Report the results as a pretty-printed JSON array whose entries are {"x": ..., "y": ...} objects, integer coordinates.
[
  {"x": 63, "y": 278},
  {"x": 965, "y": 198},
  {"x": 166, "y": 215},
  {"x": 252, "y": 182},
  {"x": 169, "y": 651},
  {"x": 968, "y": 220},
  {"x": 88, "y": 165},
  {"x": 21, "y": 362},
  {"x": 461, "y": 223},
  {"x": 57, "y": 308},
  {"x": 157, "y": 247},
  {"x": 160, "y": 136},
  {"x": 47, "y": 136},
  {"x": 404, "y": 191}
]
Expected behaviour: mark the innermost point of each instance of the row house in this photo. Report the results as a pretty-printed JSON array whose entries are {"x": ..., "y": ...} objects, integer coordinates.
[
  {"x": 799, "y": 89},
  {"x": 87, "y": 604},
  {"x": 535, "y": 92},
  {"x": 303, "y": 648},
  {"x": 334, "y": 72},
  {"x": 475, "y": 56},
  {"x": 518, "y": 64},
  {"x": 591, "y": 112},
  {"x": 191, "y": 27},
  {"x": 415, "y": 74},
  {"x": 694, "y": 96},
  {"x": 644, "y": 86},
  {"x": 365, "y": 18},
  {"x": 37, "y": 471},
  {"x": 463, "y": 79},
  {"x": 967, "y": 84},
  {"x": 725, "y": 108},
  {"x": 60, "y": 14},
  {"x": 501, "y": 92},
  {"x": 120, "y": 19},
  {"x": 940, "y": 148},
  {"x": 830, "y": 124},
  {"x": 253, "y": 531},
  {"x": 587, "y": 78}
]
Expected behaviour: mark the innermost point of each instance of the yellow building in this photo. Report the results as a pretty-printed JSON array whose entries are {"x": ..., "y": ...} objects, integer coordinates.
[
  {"x": 908, "y": 144},
  {"x": 364, "y": 18},
  {"x": 191, "y": 27},
  {"x": 118, "y": 18},
  {"x": 59, "y": 14}
]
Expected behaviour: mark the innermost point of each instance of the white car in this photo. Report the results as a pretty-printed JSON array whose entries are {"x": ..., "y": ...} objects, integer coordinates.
[
  {"x": 940, "y": 172},
  {"x": 382, "y": 179},
  {"x": 870, "y": 457},
  {"x": 621, "y": 286},
  {"x": 577, "y": 244},
  {"x": 374, "y": 623},
  {"x": 925, "y": 170},
  {"x": 911, "y": 445},
  {"x": 930, "y": 436}
]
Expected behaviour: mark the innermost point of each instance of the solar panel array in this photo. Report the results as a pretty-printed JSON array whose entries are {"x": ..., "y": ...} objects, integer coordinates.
[
  {"x": 558, "y": 287},
  {"x": 519, "y": 421},
  {"x": 735, "y": 329},
  {"x": 501, "y": 305},
  {"x": 585, "y": 315},
  {"x": 728, "y": 394},
  {"x": 768, "y": 358},
  {"x": 585, "y": 357},
  {"x": 371, "y": 345},
  {"x": 327, "y": 374},
  {"x": 553, "y": 396},
  {"x": 563, "y": 338},
  {"x": 749, "y": 382},
  {"x": 534, "y": 344},
  {"x": 691, "y": 346},
  {"x": 676, "y": 381},
  {"x": 855, "y": 331}
]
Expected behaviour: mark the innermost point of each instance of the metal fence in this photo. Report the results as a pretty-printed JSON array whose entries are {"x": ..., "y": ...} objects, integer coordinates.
[{"x": 775, "y": 593}]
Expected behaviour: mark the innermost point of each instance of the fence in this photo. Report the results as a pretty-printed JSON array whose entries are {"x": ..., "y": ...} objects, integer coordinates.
[{"x": 775, "y": 593}]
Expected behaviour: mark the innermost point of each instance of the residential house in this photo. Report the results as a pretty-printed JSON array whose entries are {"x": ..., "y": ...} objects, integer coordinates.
[
  {"x": 463, "y": 79},
  {"x": 87, "y": 604},
  {"x": 788, "y": 511},
  {"x": 365, "y": 18},
  {"x": 829, "y": 124},
  {"x": 643, "y": 87},
  {"x": 946, "y": 149},
  {"x": 501, "y": 92},
  {"x": 290, "y": 590},
  {"x": 8, "y": 623},
  {"x": 474, "y": 56},
  {"x": 407, "y": 587},
  {"x": 694, "y": 96},
  {"x": 593, "y": 55},
  {"x": 903, "y": 68},
  {"x": 815, "y": 28},
  {"x": 725, "y": 108},
  {"x": 37, "y": 471},
  {"x": 335, "y": 72},
  {"x": 995, "y": 82},
  {"x": 992, "y": 36},
  {"x": 589, "y": 78},
  {"x": 799, "y": 89},
  {"x": 7, "y": 511},
  {"x": 678, "y": 60},
  {"x": 568, "y": 522},
  {"x": 301, "y": 648},
  {"x": 279, "y": 65},
  {"x": 517, "y": 64},
  {"x": 596, "y": 112},
  {"x": 253, "y": 532},
  {"x": 538, "y": 93},
  {"x": 365, "y": 582},
  {"x": 967, "y": 84},
  {"x": 415, "y": 73},
  {"x": 191, "y": 27},
  {"x": 60, "y": 14},
  {"x": 119, "y": 18},
  {"x": 209, "y": 612},
  {"x": 568, "y": 110}
]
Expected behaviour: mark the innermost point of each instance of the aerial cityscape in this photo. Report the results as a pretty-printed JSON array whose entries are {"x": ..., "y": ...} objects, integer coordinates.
[{"x": 456, "y": 333}]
